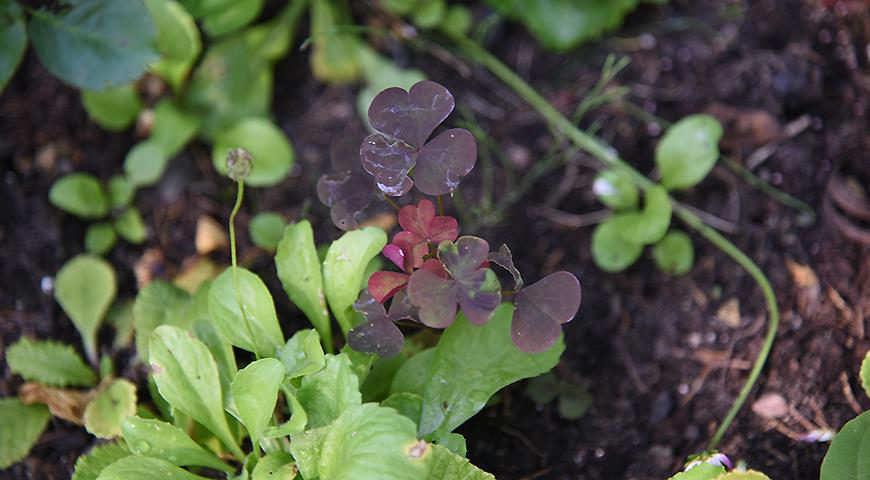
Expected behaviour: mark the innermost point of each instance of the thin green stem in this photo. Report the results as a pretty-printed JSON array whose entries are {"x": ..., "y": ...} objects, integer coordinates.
[
  {"x": 609, "y": 157},
  {"x": 240, "y": 195}
]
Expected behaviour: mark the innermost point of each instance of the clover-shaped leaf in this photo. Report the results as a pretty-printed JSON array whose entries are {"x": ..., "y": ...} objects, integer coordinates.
[
  {"x": 378, "y": 335},
  {"x": 404, "y": 121},
  {"x": 505, "y": 259},
  {"x": 383, "y": 285},
  {"x": 422, "y": 226},
  {"x": 348, "y": 189},
  {"x": 474, "y": 287},
  {"x": 542, "y": 308}
]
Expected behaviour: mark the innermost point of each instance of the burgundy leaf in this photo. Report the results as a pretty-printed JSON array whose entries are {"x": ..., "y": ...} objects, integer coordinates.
[
  {"x": 413, "y": 250},
  {"x": 464, "y": 257},
  {"x": 444, "y": 161},
  {"x": 476, "y": 301},
  {"x": 389, "y": 161},
  {"x": 401, "y": 308},
  {"x": 411, "y": 116},
  {"x": 383, "y": 285},
  {"x": 435, "y": 296},
  {"x": 505, "y": 259},
  {"x": 378, "y": 335},
  {"x": 420, "y": 220},
  {"x": 541, "y": 308},
  {"x": 348, "y": 189}
]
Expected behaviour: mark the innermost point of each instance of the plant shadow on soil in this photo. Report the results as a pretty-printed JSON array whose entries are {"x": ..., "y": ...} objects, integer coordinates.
[{"x": 661, "y": 368}]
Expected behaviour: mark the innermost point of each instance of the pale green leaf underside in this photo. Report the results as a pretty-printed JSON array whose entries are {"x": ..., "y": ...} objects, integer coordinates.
[{"x": 49, "y": 362}]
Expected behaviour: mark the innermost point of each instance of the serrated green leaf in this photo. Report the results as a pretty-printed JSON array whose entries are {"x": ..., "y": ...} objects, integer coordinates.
[
  {"x": 153, "y": 438},
  {"x": 611, "y": 252},
  {"x": 267, "y": 230},
  {"x": 446, "y": 465},
  {"x": 848, "y": 457},
  {"x": 327, "y": 393},
  {"x": 300, "y": 272},
  {"x": 159, "y": 303},
  {"x": 343, "y": 269},
  {"x": 48, "y": 362},
  {"x": 135, "y": 467},
  {"x": 187, "y": 377},
  {"x": 113, "y": 109},
  {"x": 89, "y": 465},
  {"x": 704, "y": 471},
  {"x": 270, "y": 147},
  {"x": 144, "y": 163},
  {"x": 649, "y": 225},
  {"x": 674, "y": 254},
  {"x": 22, "y": 427},
  {"x": 131, "y": 227},
  {"x": 865, "y": 374},
  {"x": 13, "y": 41},
  {"x": 97, "y": 44},
  {"x": 81, "y": 195},
  {"x": 688, "y": 151},
  {"x": 302, "y": 354},
  {"x": 255, "y": 392},
  {"x": 104, "y": 414},
  {"x": 275, "y": 466},
  {"x": 85, "y": 287},
  {"x": 236, "y": 16},
  {"x": 226, "y": 305}
]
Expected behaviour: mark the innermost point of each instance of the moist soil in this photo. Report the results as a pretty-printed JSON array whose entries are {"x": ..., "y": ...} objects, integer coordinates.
[{"x": 660, "y": 356}]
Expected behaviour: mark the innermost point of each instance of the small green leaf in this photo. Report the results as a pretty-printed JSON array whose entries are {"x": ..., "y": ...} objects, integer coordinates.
[
  {"x": 121, "y": 192},
  {"x": 177, "y": 40},
  {"x": 97, "y": 44},
  {"x": 615, "y": 190},
  {"x": 22, "y": 427},
  {"x": 100, "y": 238},
  {"x": 187, "y": 377},
  {"x": 120, "y": 317},
  {"x": 272, "y": 152},
  {"x": 688, "y": 151},
  {"x": 85, "y": 287},
  {"x": 848, "y": 457},
  {"x": 300, "y": 273},
  {"x": 649, "y": 225},
  {"x": 703, "y": 471},
  {"x": 113, "y": 109},
  {"x": 48, "y": 362},
  {"x": 302, "y": 354},
  {"x": 448, "y": 465},
  {"x": 255, "y": 392},
  {"x": 611, "y": 252},
  {"x": 430, "y": 14},
  {"x": 334, "y": 56},
  {"x": 267, "y": 230},
  {"x": 144, "y": 163},
  {"x": 13, "y": 41},
  {"x": 226, "y": 304},
  {"x": 81, "y": 195},
  {"x": 220, "y": 349},
  {"x": 135, "y": 467},
  {"x": 159, "y": 303},
  {"x": 327, "y": 393},
  {"x": 131, "y": 227},
  {"x": 865, "y": 373},
  {"x": 104, "y": 414},
  {"x": 153, "y": 438},
  {"x": 453, "y": 442},
  {"x": 674, "y": 254},
  {"x": 232, "y": 18},
  {"x": 344, "y": 267},
  {"x": 275, "y": 466},
  {"x": 457, "y": 21},
  {"x": 297, "y": 422},
  {"x": 89, "y": 465},
  {"x": 173, "y": 127}
]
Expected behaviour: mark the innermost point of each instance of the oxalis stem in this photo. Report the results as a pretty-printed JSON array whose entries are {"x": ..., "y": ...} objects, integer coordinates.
[
  {"x": 240, "y": 195},
  {"x": 609, "y": 157}
]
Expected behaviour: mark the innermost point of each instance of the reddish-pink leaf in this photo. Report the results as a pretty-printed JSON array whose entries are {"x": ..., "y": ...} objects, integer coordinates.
[
  {"x": 378, "y": 334},
  {"x": 413, "y": 115},
  {"x": 541, "y": 308},
  {"x": 420, "y": 220},
  {"x": 395, "y": 254},
  {"x": 383, "y": 285}
]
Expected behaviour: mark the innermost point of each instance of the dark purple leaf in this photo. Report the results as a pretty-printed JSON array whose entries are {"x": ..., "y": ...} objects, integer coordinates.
[
  {"x": 463, "y": 258},
  {"x": 348, "y": 189},
  {"x": 411, "y": 116},
  {"x": 401, "y": 308},
  {"x": 435, "y": 296},
  {"x": 444, "y": 161},
  {"x": 505, "y": 259},
  {"x": 389, "y": 161},
  {"x": 378, "y": 335},
  {"x": 541, "y": 308}
]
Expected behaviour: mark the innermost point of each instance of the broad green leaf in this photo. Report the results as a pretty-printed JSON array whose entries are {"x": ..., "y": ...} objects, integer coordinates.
[
  {"x": 383, "y": 371},
  {"x": 173, "y": 127},
  {"x": 226, "y": 306},
  {"x": 113, "y": 109},
  {"x": 747, "y": 475},
  {"x": 300, "y": 273},
  {"x": 327, "y": 393},
  {"x": 411, "y": 376},
  {"x": 446, "y": 465},
  {"x": 453, "y": 442},
  {"x": 22, "y": 427},
  {"x": 306, "y": 447},
  {"x": 334, "y": 56},
  {"x": 153, "y": 438},
  {"x": 177, "y": 40},
  {"x": 187, "y": 377},
  {"x": 369, "y": 442},
  {"x": 688, "y": 151},
  {"x": 104, "y": 414},
  {"x": 13, "y": 41},
  {"x": 97, "y": 44},
  {"x": 302, "y": 354},
  {"x": 611, "y": 252},
  {"x": 130, "y": 226},
  {"x": 159, "y": 303},
  {"x": 121, "y": 192},
  {"x": 674, "y": 253},
  {"x": 81, "y": 195},
  {"x": 220, "y": 349},
  {"x": 470, "y": 364},
  {"x": 49, "y": 363},
  {"x": 272, "y": 152},
  {"x": 615, "y": 190},
  {"x": 237, "y": 15},
  {"x": 135, "y": 467},
  {"x": 649, "y": 225},
  {"x": 100, "y": 238},
  {"x": 865, "y": 373},
  {"x": 89, "y": 465},
  {"x": 848, "y": 457},
  {"x": 275, "y": 466},
  {"x": 409, "y": 405},
  {"x": 267, "y": 230},
  {"x": 85, "y": 287},
  {"x": 703, "y": 471},
  {"x": 344, "y": 267},
  {"x": 144, "y": 163},
  {"x": 255, "y": 392},
  {"x": 297, "y": 422}
]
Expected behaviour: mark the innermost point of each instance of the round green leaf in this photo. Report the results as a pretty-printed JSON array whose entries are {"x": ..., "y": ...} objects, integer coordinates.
[
  {"x": 114, "y": 108},
  {"x": 267, "y": 230},
  {"x": 430, "y": 14},
  {"x": 615, "y": 190},
  {"x": 275, "y": 466},
  {"x": 95, "y": 45},
  {"x": 674, "y": 254},
  {"x": 865, "y": 374},
  {"x": 85, "y": 288},
  {"x": 144, "y": 163},
  {"x": 688, "y": 151},
  {"x": 79, "y": 194},
  {"x": 120, "y": 191},
  {"x": 458, "y": 20},
  {"x": 272, "y": 152},
  {"x": 13, "y": 40},
  {"x": 237, "y": 15},
  {"x": 177, "y": 35},
  {"x": 104, "y": 414},
  {"x": 22, "y": 427},
  {"x": 100, "y": 238},
  {"x": 611, "y": 252},
  {"x": 131, "y": 227}
]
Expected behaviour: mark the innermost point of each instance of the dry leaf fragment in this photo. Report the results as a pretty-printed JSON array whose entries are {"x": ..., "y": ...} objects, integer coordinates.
[
  {"x": 210, "y": 235},
  {"x": 62, "y": 403},
  {"x": 729, "y": 313},
  {"x": 770, "y": 405}
]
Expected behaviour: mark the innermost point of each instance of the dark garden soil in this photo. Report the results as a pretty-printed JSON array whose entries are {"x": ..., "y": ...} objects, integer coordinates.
[{"x": 661, "y": 357}]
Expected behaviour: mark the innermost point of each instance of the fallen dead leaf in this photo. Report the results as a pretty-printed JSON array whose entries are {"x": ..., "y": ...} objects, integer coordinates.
[
  {"x": 194, "y": 272},
  {"x": 770, "y": 405},
  {"x": 807, "y": 282},
  {"x": 384, "y": 221},
  {"x": 62, "y": 403},
  {"x": 210, "y": 235},
  {"x": 729, "y": 312}
]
